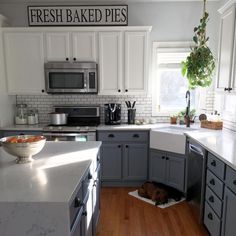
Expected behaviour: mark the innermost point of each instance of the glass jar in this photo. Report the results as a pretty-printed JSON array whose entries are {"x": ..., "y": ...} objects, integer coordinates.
[
  {"x": 31, "y": 117},
  {"x": 21, "y": 114}
]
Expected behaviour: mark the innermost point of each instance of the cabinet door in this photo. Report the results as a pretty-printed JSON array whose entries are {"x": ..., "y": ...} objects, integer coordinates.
[
  {"x": 229, "y": 214},
  {"x": 57, "y": 46},
  {"x": 84, "y": 46},
  {"x": 136, "y": 50},
  {"x": 157, "y": 166},
  {"x": 110, "y": 63},
  {"x": 135, "y": 161},
  {"x": 175, "y": 172},
  {"x": 87, "y": 217},
  {"x": 111, "y": 161},
  {"x": 226, "y": 49},
  {"x": 24, "y": 60},
  {"x": 96, "y": 200}
]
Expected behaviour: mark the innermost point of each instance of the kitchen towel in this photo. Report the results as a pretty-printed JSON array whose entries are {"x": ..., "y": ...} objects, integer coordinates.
[{"x": 171, "y": 201}]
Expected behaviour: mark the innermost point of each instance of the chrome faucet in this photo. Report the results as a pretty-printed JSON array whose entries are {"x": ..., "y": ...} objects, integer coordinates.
[{"x": 187, "y": 113}]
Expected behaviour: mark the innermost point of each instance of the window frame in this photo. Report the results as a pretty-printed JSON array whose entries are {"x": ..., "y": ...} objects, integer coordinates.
[{"x": 172, "y": 47}]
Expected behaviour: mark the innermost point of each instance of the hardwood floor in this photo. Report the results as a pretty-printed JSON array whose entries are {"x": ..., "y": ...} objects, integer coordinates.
[{"x": 124, "y": 215}]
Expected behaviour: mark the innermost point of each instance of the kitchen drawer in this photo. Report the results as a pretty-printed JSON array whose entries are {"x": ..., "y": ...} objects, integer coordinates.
[
  {"x": 230, "y": 178},
  {"x": 215, "y": 184},
  {"x": 216, "y": 166},
  {"x": 211, "y": 221},
  {"x": 76, "y": 206},
  {"x": 213, "y": 201},
  {"x": 123, "y": 136}
]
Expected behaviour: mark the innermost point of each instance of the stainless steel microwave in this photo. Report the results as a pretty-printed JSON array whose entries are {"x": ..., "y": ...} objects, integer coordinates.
[{"x": 71, "y": 77}]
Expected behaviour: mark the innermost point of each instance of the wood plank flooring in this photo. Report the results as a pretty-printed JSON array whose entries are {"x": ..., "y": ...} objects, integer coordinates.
[{"x": 124, "y": 215}]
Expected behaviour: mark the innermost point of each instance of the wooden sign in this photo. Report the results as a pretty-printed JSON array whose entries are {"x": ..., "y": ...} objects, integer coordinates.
[{"x": 102, "y": 15}]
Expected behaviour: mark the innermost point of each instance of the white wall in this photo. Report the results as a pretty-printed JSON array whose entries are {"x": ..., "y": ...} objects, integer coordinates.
[{"x": 6, "y": 102}]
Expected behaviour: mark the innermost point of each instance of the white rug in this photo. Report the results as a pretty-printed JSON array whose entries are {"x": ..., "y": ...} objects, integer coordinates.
[{"x": 171, "y": 201}]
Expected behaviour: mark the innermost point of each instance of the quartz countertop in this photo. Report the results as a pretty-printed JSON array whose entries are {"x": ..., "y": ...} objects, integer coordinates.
[
  {"x": 221, "y": 143},
  {"x": 53, "y": 175}
]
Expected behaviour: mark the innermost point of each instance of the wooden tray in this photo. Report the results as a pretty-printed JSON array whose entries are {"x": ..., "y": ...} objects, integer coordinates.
[{"x": 217, "y": 125}]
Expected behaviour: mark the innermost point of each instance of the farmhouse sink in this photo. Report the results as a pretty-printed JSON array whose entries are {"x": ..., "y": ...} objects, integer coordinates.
[{"x": 169, "y": 138}]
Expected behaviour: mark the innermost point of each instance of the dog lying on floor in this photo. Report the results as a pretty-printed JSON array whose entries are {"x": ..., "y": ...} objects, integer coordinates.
[{"x": 159, "y": 193}]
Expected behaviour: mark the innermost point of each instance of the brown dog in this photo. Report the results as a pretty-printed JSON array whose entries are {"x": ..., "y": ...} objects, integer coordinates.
[{"x": 151, "y": 191}]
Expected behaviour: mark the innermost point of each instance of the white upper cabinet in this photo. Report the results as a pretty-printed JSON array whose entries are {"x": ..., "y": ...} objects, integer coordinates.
[
  {"x": 227, "y": 52},
  {"x": 84, "y": 46},
  {"x": 24, "y": 61},
  {"x": 57, "y": 46},
  {"x": 110, "y": 63},
  {"x": 70, "y": 46},
  {"x": 136, "y": 55}
]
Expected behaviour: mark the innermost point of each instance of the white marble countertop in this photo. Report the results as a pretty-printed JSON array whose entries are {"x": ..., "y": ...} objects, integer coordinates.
[
  {"x": 51, "y": 177},
  {"x": 221, "y": 143}
]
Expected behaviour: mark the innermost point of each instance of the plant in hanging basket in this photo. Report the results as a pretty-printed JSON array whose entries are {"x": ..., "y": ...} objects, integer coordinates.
[{"x": 199, "y": 66}]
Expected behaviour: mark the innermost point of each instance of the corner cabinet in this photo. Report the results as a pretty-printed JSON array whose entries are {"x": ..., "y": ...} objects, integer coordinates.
[
  {"x": 167, "y": 168},
  {"x": 24, "y": 61},
  {"x": 226, "y": 78}
]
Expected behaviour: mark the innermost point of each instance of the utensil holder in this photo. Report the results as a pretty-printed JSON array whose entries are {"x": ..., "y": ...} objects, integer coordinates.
[{"x": 131, "y": 116}]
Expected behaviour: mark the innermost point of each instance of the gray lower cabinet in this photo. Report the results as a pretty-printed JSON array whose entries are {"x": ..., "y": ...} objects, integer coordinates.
[
  {"x": 135, "y": 161},
  {"x": 229, "y": 214},
  {"x": 111, "y": 155},
  {"x": 167, "y": 168},
  {"x": 124, "y": 157}
]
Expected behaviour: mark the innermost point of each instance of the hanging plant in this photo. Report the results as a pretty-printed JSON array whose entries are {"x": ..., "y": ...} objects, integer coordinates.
[{"x": 199, "y": 66}]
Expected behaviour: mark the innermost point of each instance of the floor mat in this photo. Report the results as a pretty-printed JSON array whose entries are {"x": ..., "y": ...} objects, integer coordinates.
[{"x": 171, "y": 201}]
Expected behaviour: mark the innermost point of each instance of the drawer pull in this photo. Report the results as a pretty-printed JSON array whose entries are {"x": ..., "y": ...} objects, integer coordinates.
[
  {"x": 135, "y": 136},
  {"x": 111, "y": 136},
  {"x": 90, "y": 176},
  {"x": 98, "y": 158},
  {"x": 213, "y": 163},
  {"x": 212, "y": 182},
  {"x": 210, "y": 216},
  {"x": 78, "y": 203},
  {"x": 211, "y": 199},
  {"x": 234, "y": 182}
]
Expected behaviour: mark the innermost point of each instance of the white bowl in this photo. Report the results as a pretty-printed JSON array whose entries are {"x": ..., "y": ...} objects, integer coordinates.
[{"x": 24, "y": 150}]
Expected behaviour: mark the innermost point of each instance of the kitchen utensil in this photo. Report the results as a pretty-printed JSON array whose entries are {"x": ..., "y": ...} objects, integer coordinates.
[
  {"x": 127, "y": 104},
  {"x": 112, "y": 113},
  {"x": 58, "y": 118},
  {"x": 23, "y": 146},
  {"x": 133, "y": 104}
]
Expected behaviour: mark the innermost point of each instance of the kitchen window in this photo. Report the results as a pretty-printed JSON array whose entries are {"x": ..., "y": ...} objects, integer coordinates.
[{"x": 169, "y": 86}]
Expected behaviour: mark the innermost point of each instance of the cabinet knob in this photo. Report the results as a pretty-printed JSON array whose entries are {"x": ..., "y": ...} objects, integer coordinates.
[
  {"x": 234, "y": 182},
  {"x": 226, "y": 89},
  {"x": 90, "y": 176},
  {"x": 111, "y": 136},
  {"x": 213, "y": 163},
  {"x": 67, "y": 59},
  {"x": 21, "y": 134},
  {"x": 135, "y": 136},
  {"x": 230, "y": 89},
  {"x": 126, "y": 90},
  {"x": 119, "y": 90},
  {"x": 167, "y": 158},
  {"x": 163, "y": 157},
  {"x": 119, "y": 146},
  {"x": 74, "y": 58},
  {"x": 211, "y": 199},
  {"x": 84, "y": 213},
  {"x": 212, "y": 182},
  {"x": 78, "y": 202},
  {"x": 127, "y": 146},
  {"x": 43, "y": 90},
  {"x": 210, "y": 216},
  {"x": 98, "y": 158}
]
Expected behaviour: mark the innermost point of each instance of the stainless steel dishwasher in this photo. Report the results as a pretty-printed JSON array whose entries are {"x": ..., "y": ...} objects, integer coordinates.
[{"x": 195, "y": 178}]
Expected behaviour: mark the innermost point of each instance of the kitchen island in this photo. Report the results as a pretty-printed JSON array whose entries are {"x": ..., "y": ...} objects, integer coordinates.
[{"x": 49, "y": 196}]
